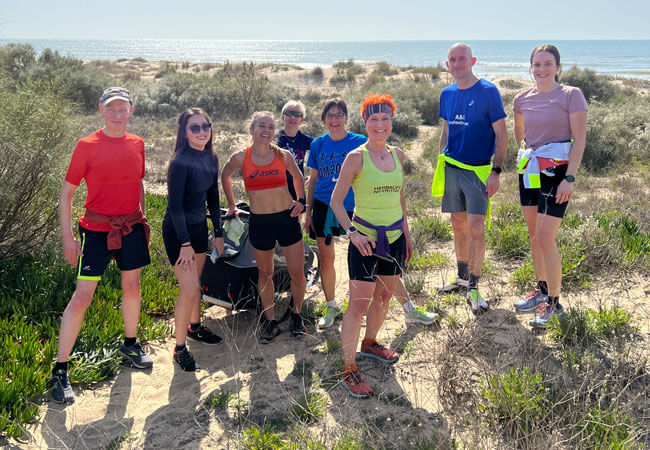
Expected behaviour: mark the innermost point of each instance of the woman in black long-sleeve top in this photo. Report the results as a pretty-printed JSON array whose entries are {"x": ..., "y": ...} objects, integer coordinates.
[{"x": 192, "y": 182}]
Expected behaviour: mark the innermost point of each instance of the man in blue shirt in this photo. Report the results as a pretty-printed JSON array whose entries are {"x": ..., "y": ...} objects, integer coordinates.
[{"x": 474, "y": 132}]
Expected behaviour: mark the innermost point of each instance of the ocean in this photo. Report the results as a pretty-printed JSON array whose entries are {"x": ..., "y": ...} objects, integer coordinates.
[{"x": 625, "y": 58}]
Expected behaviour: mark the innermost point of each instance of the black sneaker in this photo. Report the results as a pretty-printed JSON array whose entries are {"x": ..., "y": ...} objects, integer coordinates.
[
  {"x": 62, "y": 391},
  {"x": 298, "y": 328},
  {"x": 136, "y": 356},
  {"x": 271, "y": 330},
  {"x": 205, "y": 335},
  {"x": 185, "y": 359}
]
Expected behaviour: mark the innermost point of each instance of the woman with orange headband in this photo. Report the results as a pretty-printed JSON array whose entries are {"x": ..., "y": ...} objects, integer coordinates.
[{"x": 380, "y": 241}]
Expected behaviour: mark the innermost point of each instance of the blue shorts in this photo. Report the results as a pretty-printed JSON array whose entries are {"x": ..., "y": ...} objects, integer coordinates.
[{"x": 134, "y": 253}]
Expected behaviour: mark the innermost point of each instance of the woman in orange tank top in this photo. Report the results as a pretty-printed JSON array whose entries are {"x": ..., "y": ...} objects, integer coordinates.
[{"x": 274, "y": 216}]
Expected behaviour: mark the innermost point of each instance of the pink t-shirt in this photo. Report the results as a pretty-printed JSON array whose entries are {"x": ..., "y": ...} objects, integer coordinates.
[{"x": 546, "y": 114}]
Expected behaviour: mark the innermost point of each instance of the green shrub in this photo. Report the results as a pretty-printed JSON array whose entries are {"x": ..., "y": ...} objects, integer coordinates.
[
  {"x": 508, "y": 235},
  {"x": 509, "y": 83},
  {"x": 592, "y": 85},
  {"x": 310, "y": 407},
  {"x": 37, "y": 136},
  {"x": 584, "y": 327},
  {"x": 414, "y": 283},
  {"x": 425, "y": 229},
  {"x": 16, "y": 59},
  {"x": 427, "y": 261},
  {"x": 515, "y": 400},
  {"x": 264, "y": 439},
  {"x": 219, "y": 400},
  {"x": 384, "y": 69},
  {"x": 609, "y": 429}
]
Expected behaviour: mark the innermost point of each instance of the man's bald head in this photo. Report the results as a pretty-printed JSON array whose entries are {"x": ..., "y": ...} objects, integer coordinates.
[{"x": 461, "y": 45}]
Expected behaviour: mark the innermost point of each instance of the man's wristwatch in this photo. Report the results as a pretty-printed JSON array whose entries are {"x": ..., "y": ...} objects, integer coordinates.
[
  {"x": 570, "y": 178},
  {"x": 497, "y": 170},
  {"x": 350, "y": 231}
]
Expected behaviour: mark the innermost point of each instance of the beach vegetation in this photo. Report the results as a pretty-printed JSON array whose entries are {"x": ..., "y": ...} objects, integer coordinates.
[{"x": 593, "y": 86}]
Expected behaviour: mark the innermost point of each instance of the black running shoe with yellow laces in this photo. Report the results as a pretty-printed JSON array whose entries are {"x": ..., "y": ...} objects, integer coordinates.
[{"x": 136, "y": 356}]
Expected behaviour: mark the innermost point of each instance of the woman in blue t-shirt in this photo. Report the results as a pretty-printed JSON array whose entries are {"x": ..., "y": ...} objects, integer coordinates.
[{"x": 326, "y": 155}]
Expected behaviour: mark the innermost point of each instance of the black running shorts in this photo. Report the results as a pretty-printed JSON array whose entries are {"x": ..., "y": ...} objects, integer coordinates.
[
  {"x": 134, "y": 253},
  {"x": 265, "y": 229},
  {"x": 367, "y": 268},
  {"x": 544, "y": 197},
  {"x": 198, "y": 238}
]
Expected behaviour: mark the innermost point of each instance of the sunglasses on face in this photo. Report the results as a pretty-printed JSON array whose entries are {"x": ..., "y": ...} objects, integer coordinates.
[
  {"x": 196, "y": 129},
  {"x": 293, "y": 113}
]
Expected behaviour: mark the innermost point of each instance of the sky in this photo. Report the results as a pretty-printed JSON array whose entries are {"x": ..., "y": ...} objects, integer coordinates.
[{"x": 326, "y": 20}]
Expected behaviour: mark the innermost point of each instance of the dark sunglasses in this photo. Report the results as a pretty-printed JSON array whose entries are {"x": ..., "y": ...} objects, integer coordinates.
[
  {"x": 196, "y": 129},
  {"x": 293, "y": 113}
]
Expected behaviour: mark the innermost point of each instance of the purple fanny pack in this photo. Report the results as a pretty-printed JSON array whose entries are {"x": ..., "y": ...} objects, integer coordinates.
[{"x": 383, "y": 247}]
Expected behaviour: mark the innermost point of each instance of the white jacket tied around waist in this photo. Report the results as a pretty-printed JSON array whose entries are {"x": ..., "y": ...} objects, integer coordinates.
[{"x": 554, "y": 150}]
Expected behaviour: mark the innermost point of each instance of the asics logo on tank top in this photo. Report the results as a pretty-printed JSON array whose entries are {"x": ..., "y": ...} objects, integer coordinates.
[{"x": 264, "y": 173}]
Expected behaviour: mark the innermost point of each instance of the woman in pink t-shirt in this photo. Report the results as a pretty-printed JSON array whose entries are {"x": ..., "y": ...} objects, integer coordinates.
[{"x": 551, "y": 124}]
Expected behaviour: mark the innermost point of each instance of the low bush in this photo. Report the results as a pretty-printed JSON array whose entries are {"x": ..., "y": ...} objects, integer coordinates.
[
  {"x": 585, "y": 327},
  {"x": 592, "y": 85},
  {"x": 310, "y": 407},
  {"x": 508, "y": 235},
  {"x": 515, "y": 401}
]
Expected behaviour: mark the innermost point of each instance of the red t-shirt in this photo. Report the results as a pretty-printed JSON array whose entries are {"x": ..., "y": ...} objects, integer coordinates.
[{"x": 113, "y": 169}]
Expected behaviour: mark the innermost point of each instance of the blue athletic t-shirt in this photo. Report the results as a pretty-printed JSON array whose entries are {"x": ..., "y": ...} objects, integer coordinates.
[
  {"x": 470, "y": 114},
  {"x": 327, "y": 156}
]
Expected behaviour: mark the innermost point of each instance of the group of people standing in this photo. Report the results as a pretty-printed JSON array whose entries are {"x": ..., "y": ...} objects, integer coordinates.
[{"x": 355, "y": 187}]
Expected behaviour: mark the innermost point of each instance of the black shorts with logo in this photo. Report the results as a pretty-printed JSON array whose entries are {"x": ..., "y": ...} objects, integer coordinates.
[
  {"x": 134, "y": 253},
  {"x": 544, "y": 196}
]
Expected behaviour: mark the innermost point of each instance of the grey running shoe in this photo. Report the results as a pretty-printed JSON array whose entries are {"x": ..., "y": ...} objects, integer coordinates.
[
  {"x": 331, "y": 314},
  {"x": 62, "y": 391},
  {"x": 476, "y": 301},
  {"x": 136, "y": 356},
  {"x": 271, "y": 330},
  {"x": 531, "y": 301},
  {"x": 421, "y": 316},
  {"x": 455, "y": 285},
  {"x": 185, "y": 359},
  {"x": 545, "y": 314}
]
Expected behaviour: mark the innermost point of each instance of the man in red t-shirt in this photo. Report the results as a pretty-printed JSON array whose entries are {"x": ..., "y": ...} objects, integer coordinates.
[{"x": 111, "y": 161}]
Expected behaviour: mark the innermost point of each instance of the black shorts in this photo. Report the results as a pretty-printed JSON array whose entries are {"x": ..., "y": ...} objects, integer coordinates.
[
  {"x": 198, "y": 238},
  {"x": 265, "y": 229},
  {"x": 318, "y": 216},
  {"x": 366, "y": 268},
  {"x": 544, "y": 197},
  {"x": 96, "y": 255}
]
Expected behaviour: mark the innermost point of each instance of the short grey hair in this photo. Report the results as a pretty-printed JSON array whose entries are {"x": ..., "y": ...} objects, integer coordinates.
[{"x": 295, "y": 104}]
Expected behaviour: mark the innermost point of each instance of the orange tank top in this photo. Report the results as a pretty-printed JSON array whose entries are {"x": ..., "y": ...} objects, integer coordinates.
[{"x": 257, "y": 178}]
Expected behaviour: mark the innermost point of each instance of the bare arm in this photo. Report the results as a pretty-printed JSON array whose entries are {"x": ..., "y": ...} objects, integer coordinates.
[
  {"x": 142, "y": 196},
  {"x": 578, "y": 123},
  {"x": 233, "y": 165},
  {"x": 311, "y": 186},
  {"x": 351, "y": 168},
  {"x": 444, "y": 135},
  {"x": 519, "y": 129},
  {"x": 71, "y": 248},
  {"x": 501, "y": 145},
  {"x": 294, "y": 170}
]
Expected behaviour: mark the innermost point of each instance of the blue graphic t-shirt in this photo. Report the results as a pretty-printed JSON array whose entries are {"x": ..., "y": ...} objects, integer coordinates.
[
  {"x": 327, "y": 156},
  {"x": 470, "y": 114},
  {"x": 298, "y": 146}
]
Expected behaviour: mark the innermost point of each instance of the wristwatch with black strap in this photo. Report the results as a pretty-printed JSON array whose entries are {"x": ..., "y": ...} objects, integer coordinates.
[
  {"x": 350, "y": 230},
  {"x": 570, "y": 178}
]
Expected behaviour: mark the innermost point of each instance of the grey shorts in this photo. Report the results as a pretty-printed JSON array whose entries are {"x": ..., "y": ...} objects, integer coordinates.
[{"x": 464, "y": 191}]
